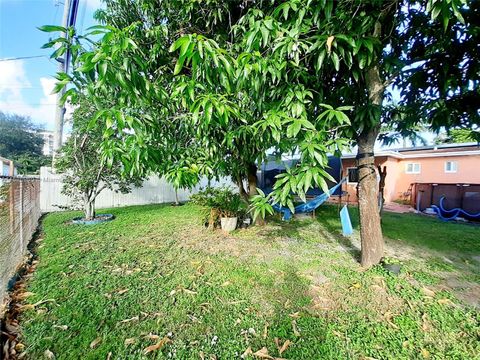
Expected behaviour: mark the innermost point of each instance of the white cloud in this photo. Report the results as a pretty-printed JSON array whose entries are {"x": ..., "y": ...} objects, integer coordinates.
[
  {"x": 94, "y": 4},
  {"x": 13, "y": 82}
]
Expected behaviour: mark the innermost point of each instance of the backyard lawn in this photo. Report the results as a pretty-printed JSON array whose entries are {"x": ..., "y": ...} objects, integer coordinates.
[{"x": 154, "y": 283}]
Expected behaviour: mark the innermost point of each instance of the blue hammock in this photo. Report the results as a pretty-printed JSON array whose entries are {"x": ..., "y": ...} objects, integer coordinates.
[
  {"x": 308, "y": 206},
  {"x": 452, "y": 214}
]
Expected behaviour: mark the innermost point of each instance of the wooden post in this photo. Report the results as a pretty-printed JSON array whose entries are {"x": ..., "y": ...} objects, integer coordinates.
[
  {"x": 11, "y": 173},
  {"x": 21, "y": 214}
]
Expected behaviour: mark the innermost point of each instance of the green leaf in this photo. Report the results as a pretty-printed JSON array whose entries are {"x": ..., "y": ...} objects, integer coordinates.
[
  {"x": 52, "y": 28},
  {"x": 336, "y": 61}
]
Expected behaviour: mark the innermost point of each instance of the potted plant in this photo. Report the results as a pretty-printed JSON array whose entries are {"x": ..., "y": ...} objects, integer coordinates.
[
  {"x": 224, "y": 207},
  {"x": 230, "y": 206}
]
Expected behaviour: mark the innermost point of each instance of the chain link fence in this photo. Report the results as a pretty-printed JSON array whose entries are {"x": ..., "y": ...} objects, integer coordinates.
[{"x": 19, "y": 215}]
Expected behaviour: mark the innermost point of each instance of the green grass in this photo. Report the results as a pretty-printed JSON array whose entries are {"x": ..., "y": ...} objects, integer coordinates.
[{"x": 217, "y": 295}]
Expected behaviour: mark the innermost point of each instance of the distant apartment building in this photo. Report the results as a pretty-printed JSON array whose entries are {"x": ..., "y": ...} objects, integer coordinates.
[
  {"x": 47, "y": 142},
  {"x": 5, "y": 167}
]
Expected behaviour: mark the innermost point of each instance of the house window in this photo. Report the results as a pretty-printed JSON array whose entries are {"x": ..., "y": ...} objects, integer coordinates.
[
  {"x": 352, "y": 175},
  {"x": 450, "y": 166},
  {"x": 412, "y": 168}
]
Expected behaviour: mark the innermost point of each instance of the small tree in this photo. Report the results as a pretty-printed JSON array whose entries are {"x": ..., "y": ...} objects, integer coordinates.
[
  {"x": 86, "y": 171},
  {"x": 182, "y": 176}
]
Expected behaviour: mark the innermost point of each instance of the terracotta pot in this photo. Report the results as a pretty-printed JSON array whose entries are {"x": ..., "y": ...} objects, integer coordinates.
[{"x": 229, "y": 223}]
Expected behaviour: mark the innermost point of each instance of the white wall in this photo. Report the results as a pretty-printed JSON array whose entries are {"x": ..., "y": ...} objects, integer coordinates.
[{"x": 155, "y": 190}]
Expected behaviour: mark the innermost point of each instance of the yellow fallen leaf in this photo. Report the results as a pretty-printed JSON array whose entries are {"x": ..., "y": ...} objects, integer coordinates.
[
  {"x": 24, "y": 295},
  {"x": 49, "y": 355},
  {"x": 355, "y": 286},
  {"x": 247, "y": 352},
  {"x": 265, "y": 330},
  {"x": 26, "y": 307},
  {"x": 405, "y": 344},
  {"x": 445, "y": 301},
  {"x": 152, "y": 337},
  {"x": 157, "y": 346},
  {"x": 262, "y": 354},
  {"x": 122, "y": 291},
  {"x": 284, "y": 347},
  {"x": 425, "y": 353},
  {"x": 129, "y": 341},
  {"x": 295, "y": 315},
  {"x": 19, "y": 347},
  {"x": 95, "y": 343},
  {"x": 190, "y": 292},
  {"x": 226, "y": 283},
  {"x": 427, "y": 292}
]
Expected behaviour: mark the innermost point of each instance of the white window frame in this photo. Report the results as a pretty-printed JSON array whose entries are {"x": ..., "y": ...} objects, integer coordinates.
[
  {"x": 451, "y": 171},
  {"x": 348, "y": 177},
  {"x": 413, "y": 168}
]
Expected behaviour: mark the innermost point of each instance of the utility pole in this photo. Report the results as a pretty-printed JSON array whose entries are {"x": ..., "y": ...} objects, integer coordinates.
[{"x": 61, "y": 67}]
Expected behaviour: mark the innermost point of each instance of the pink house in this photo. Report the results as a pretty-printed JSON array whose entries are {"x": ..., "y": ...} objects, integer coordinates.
[{"x": 420, "y": 176}]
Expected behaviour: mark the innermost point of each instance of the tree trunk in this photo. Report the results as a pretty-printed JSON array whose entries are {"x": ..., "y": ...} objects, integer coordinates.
[
  {"x": 176, "y": 197},
  {"x": 241, "y": 189},
  {"x": 89, "y": 207},
  {"x": 252, "y": 180},
  {"x": 370, "y": 227}
]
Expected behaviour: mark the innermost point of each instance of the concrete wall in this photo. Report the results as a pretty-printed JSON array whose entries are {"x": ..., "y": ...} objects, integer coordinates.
[{"x": 155, "y": 190}]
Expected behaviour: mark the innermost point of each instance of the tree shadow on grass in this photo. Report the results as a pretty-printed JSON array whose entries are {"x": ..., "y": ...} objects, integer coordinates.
[{"x": 330, "y": 230}]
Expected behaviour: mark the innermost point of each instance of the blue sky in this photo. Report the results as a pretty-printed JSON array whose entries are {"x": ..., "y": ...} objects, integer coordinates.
[{"x": 25, "y": 85}]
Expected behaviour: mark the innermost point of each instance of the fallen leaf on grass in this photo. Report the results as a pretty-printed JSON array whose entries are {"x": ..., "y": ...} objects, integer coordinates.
[
  {"x": 425, "y": 353},
  {"x": 226, "y": 283},
  {"x": 49, "y": 355},
  {"x": 61, "y": 327},
  {"x": 265, "y": 330},
  {"x": 405, "y": 344},
  {"x": 445, "y": 301},
  {"x": 109, "y": 356},
  {"x": 295, "y": 328},
  {"x": 295, "y": 315},
  {"x": 24, "y": 295},
  {"x": 337, "y": 334},
  {"x": 19, "y": 347},
  {"x": 135, "y": 318},
  {"x": 129, "y": 341},
  {"x": 122, "y": 291},
  {"x": 355, "y": 286},
  {"x": 190, "y": 292},
  {"x": 427, "y": 292},
  {"x": 247, "y": 352},
  {"x": 95, "y": 343},
  {"x": 157, "y": 346},
  {"x": 284, "y": 347},
  {"x": 425, "y": 322},
  {"x": 262, "y": 354}
]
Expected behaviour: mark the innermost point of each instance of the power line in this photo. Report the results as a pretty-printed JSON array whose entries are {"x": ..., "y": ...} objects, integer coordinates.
[{"x": 23, "y": 57}]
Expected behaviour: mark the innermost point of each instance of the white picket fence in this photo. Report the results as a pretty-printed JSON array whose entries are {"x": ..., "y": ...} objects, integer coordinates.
[{"x": 154, "y": 190}]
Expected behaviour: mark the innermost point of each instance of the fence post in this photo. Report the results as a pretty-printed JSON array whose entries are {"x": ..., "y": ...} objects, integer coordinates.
[
  {"x": 11, "y": 173},
  {"x": 21, "y": 214}
]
